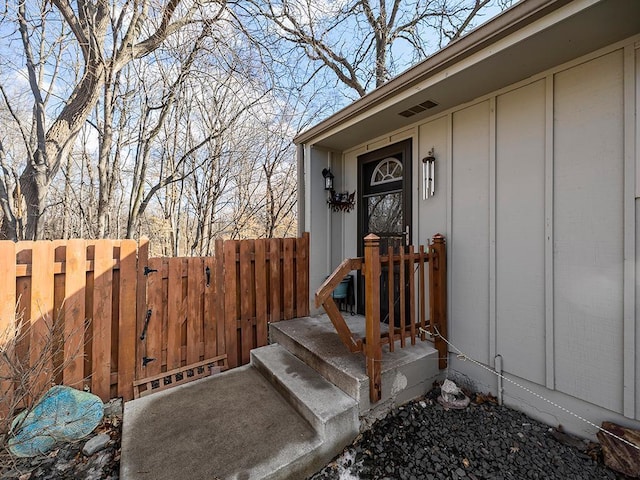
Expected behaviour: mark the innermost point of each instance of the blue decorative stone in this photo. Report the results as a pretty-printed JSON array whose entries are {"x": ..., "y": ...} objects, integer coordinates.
[{"x": 62, "y": 414}]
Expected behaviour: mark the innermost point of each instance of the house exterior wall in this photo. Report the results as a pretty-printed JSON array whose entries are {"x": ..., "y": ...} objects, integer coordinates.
[
  {"x": 538, "y": 194},
  {"x": 546, "y": 211},
  {"x": 317, "y": 220}
]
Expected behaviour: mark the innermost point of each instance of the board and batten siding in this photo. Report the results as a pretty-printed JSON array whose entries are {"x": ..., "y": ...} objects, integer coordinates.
[
  {"x": 633, "y": 136},
  {"x": 520, "y": 220},
  {"x": 469, "y": 239},
  {"x": 589, "y": 230},
  {"x": 537, "y": 232}
]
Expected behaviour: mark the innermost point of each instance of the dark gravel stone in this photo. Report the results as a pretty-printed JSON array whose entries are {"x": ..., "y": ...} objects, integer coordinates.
[{"x": 422, "y": 440}]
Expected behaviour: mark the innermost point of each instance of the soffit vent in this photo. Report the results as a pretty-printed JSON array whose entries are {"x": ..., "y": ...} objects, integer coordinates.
[{"x": 421, "y": 107}]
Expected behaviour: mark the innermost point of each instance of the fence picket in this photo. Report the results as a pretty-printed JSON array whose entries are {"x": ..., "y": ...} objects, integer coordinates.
[
  {"x": 174, "y": 310},
  {"x": 152, "y": 343},
  {"x": 230, "y": 305},
  {"x": 164, "y": 324},
  {"x": 301, "y": 281},
  {"x": 288, "y": 288},
  {"x": 403, "y": 329},
  {"x": 24, "y": 255},
  {"x": 220, "y": 299},
  {"x": 209, "y": 318},
  {"x": 73, "y": 312},
  {"x": 141, "y": 300},
  {"x": 59, "y": 256},
  {"x": 41, "y": 342},
  {"x": 101, "y": 319},
  {"x": 421, "y": 286},
  {"x": 126, "y": 352},
  {"x": 195, "y": 290},
  {"x": 412, "y": 294},
  {"x": 260, "y": 283},
  {"x": 390, "y": 298},
  {"x": 275, "y": 279},
  {"x": 246, "y": 290},
  {"x": 7, "y": 318}
]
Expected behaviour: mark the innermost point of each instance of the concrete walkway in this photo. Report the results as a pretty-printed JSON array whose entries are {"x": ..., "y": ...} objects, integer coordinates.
[
  {"x": 239, "y": 425},
  {"x": 280, "y": 418}
]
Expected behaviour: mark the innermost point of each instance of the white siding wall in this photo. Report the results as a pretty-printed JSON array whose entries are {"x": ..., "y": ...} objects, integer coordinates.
[
  {"x": 636, "y": 153},
  {"x": 543, "y": 177},
  {"x": 431, "y": 215},
  {"x": 588, "y": 230},
  {"x": 520, "y": 227},
  {"x": 559, "y": 162},
  {"x": 317, "y": 220},
  {"x": 469, "y": 237}
]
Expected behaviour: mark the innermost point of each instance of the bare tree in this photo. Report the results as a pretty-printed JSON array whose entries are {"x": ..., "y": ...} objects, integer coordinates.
[
  {"x": 108, "y": 36},
  {"x": 357, "y": 39}
]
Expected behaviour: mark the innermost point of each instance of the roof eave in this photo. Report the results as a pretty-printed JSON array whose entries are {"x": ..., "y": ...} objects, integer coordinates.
[{"x": 505, "y": 23}]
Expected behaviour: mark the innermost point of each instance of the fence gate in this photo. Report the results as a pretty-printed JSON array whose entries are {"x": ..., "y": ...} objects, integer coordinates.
[{"x": 202, "y": 315}]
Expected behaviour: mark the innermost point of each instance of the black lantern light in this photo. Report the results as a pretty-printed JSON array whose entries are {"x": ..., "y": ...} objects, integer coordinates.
[
  {"x": 338, "y": 202},
  {"x": 328, "y": 179}
]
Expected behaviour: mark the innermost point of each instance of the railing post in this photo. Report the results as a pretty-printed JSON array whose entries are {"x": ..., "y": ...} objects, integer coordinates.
[
  {"x": 438, "y": 295},
  {"x": 373, "y": 348}
]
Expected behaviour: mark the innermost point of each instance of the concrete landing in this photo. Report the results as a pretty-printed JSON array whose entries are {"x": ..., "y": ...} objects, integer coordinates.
[
  {"x": 407, "y": 373},
  {"x": 239, "y": 425}
]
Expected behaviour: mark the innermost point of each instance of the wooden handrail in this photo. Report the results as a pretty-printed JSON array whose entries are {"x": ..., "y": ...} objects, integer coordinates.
[
  {"x": 324, "y": 298},
  {"x": 333, "y": 280},
  {"x": 410, "y": 326}
]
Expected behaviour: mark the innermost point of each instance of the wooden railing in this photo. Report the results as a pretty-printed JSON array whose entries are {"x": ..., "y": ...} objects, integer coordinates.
[{"x": 411, "y": 322}]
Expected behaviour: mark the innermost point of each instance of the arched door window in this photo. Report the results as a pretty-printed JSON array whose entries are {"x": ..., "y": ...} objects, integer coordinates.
[{"x": 387, "y": 171}]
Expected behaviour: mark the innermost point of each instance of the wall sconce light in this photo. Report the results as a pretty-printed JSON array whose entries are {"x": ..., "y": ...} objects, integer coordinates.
[
  {"x": 429, "y": 175},
  {"x": 338, "y": 202},
  {"x": 328, "y": 179}
]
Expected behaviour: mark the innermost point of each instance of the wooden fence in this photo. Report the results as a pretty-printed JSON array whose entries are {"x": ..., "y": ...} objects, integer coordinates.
[
  {"x": 199, "y": 308},
  {"x": 91, "y": 313}
]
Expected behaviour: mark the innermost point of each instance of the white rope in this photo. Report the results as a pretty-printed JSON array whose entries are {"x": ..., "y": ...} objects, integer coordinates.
[{"x": 462, "y": 356}]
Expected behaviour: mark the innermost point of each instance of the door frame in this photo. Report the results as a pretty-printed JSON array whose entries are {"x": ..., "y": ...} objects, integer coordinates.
[{"x": 405, "y": 148}]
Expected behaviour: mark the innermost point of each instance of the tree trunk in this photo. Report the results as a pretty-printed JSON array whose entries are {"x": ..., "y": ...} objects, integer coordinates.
[{"x": 34, "y": 183}]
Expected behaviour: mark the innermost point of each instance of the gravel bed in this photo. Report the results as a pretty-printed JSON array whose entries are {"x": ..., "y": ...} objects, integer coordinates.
[{"x": 422, "y": 440}]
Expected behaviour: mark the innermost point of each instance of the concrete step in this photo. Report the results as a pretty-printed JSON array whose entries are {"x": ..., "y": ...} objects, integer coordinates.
[
  {"x": 316, "y": 343},
  {"x": 332, "y": 413},
  {"x": 407, "y": 373}
]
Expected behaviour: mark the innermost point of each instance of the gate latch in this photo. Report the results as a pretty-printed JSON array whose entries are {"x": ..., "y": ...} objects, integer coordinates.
[
  {"x": 146, "y": 360},
  {"x": 148, "y": 270}
]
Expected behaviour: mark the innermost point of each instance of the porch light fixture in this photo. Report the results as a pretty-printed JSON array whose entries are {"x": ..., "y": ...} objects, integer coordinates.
[
  {"x": 338, "y": 202},
  {"x": 429, "y": 175},
  {"x": 328, "y": 179}
]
